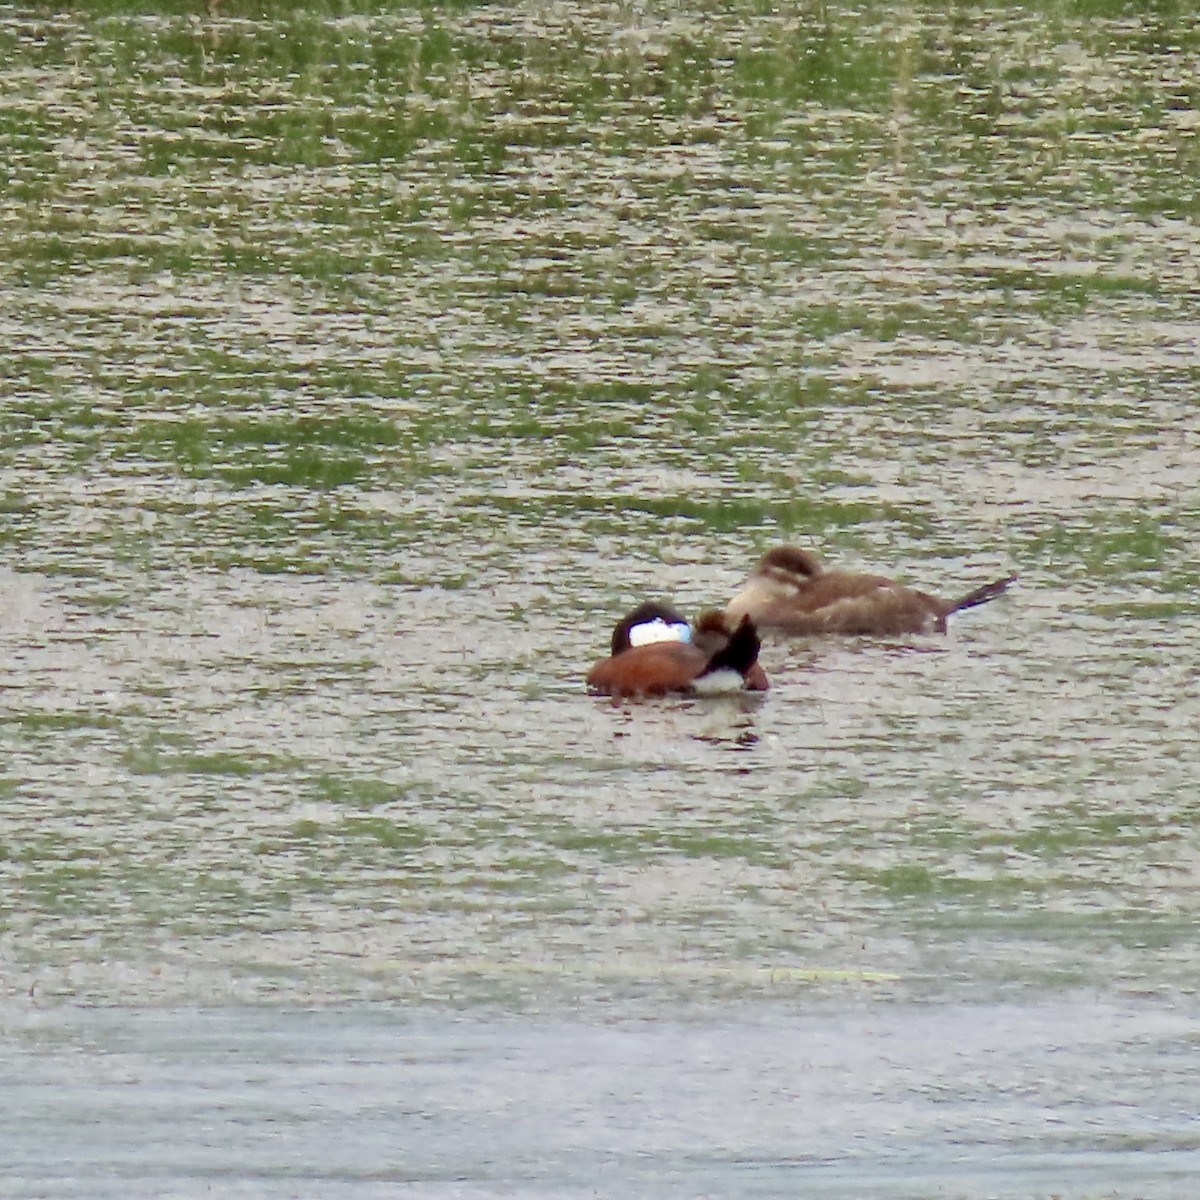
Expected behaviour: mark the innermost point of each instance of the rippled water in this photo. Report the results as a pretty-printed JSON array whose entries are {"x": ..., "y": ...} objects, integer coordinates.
[
  {"x": 362, "y": 365},
  {"x": 891, "y": 1100}
]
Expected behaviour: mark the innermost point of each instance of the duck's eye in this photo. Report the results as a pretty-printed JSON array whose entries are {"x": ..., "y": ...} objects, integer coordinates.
[{"x": 659, "y": 630}]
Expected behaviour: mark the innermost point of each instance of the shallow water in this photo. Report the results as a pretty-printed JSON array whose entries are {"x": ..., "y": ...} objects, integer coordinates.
[{"x": 363, "y": 366}]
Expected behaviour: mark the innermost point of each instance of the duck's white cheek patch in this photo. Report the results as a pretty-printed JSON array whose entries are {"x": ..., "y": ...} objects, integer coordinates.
[
  {"x": 716, "y": 683},
  {"x": 658, "y": 630}
]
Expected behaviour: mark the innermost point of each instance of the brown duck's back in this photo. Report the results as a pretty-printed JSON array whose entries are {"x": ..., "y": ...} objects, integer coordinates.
[
  {"x": 831, "y": 586},
  {"x": 882, "y": 612},
  {"x": 652, "y": 670}
]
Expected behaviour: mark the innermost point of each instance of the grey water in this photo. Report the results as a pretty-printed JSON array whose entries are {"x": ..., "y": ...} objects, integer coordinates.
[{"x": 1068, "y": 1097}]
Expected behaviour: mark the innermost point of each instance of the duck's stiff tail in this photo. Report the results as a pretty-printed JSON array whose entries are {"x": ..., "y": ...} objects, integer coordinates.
[
  {"x": 739, "y": 654},
  {"x": 981, "y": 595}
]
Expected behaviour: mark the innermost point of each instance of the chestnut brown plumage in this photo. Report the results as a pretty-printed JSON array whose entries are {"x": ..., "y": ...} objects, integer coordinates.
[{"x": 719, "y": 657}]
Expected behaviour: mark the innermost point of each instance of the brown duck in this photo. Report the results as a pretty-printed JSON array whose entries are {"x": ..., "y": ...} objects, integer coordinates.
[
  {"x": 791, "y": 592},
  {"x": 656, "y": 652}
]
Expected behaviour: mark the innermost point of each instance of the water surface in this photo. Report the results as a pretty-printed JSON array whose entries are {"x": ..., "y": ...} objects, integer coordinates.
[{"x": 363, "y": 365}]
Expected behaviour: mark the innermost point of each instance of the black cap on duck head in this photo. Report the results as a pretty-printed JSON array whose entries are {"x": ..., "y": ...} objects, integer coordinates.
[
  {"x": 789, "y": 560},
  {"x": 663, "y": 623}
]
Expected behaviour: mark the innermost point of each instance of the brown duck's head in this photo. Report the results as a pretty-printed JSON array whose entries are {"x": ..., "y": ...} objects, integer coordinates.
[
  {"x": 714, "y": 621},
  {"x": 789, "y": 564},
  {"x": 712, "y": 630}
]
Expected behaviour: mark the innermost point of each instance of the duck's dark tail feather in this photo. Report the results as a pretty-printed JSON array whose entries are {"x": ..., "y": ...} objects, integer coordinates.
[
  {"x": 981, "y": 595},
  {"x": 739, "y": 654}
]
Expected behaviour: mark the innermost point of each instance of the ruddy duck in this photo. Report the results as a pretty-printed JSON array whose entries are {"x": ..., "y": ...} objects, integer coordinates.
[
  {"x": 656, "y": 652},
  {"x": 790, "y": 591}
]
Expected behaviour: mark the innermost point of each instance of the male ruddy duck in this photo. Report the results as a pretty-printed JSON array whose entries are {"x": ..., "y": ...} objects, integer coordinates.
[
  {"x": 655, "y": 652},
  {"x": 790, "y": 591}
]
